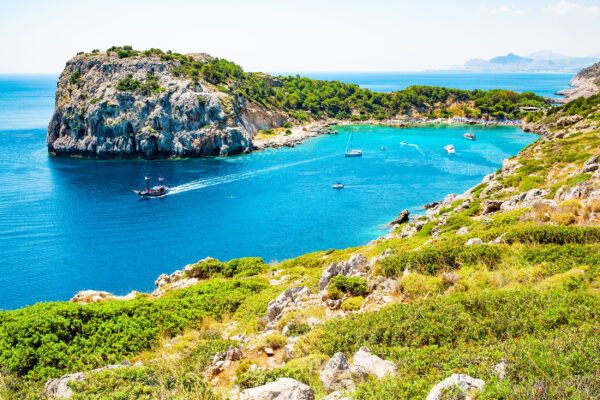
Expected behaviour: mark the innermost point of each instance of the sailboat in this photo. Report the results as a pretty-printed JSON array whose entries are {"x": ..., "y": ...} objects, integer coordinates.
[
  {"x": 352, "y": 153},
  {"x": 154, "y": 191}
]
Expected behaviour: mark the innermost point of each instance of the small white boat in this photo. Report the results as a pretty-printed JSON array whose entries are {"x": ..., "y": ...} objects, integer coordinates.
[
  {"x": 382, "y": 147},
  {"x": 469, "y": 136},
  {"x": 403, "y": 143},
  {"x": 449, "y": 149},
  {"x": 338, "y": 186},
  {"x": 349, "y": 152}
]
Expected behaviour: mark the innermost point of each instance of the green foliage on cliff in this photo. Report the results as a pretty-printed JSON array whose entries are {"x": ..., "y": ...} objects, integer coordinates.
[
  {"x": 240, "y": 267},
  {"x": 128, "y": 84}
]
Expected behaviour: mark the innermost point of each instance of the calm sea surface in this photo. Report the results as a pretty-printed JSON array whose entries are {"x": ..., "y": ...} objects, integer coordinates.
[{"x": 73, "y": 224}]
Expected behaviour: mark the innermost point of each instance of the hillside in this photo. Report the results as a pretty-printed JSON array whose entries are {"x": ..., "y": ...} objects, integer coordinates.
[
  {"x": 495, "y": 292},
  {"x": 154, "y": 104},
  {"x": 585, "y": 84}
]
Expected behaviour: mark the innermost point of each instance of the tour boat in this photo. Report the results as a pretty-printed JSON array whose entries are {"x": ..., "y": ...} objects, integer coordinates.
[
  {"x": 449, "y": 149},
  {"x": 338, "y": 186},
  {"x": 350, "y": 152},
  {"x": 469, "y": 135},
  {"x": 154, "y": 191}
]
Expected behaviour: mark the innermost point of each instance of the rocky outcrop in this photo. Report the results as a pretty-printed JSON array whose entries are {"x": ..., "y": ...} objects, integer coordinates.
[
  {"x": 287, "y": 299},
  {"x": 96, "y": 117},
  {"x": 356, "y": 266},
  {"x": 402, "y": 218},
  {"x": 59, "y": 388},
  {"x": 281, "y": 389},
  {"x": 222, "y": 360},
  {"x": 464, "y": 383},
  {"x": 585, "y": 84},
  {"x": 95, "y": 296},
  {"x": 338, "y": 375},
  {"x": 374, "y": 365}
]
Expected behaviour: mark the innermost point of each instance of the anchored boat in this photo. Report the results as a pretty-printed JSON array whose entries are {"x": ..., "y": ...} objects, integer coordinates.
[
  {"x": 349, "y": 152},
  {"x": 449, "y": 149},
  {"x": 469, "y": 136}
]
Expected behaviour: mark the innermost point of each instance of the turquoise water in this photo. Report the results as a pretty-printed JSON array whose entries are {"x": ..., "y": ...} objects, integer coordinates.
[{"x": 73, "y": 224}]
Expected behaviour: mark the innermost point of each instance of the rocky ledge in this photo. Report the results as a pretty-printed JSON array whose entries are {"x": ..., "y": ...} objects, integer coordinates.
[
  {"x": 585, "y": 84},
  {"x": 144, "y": 106}
]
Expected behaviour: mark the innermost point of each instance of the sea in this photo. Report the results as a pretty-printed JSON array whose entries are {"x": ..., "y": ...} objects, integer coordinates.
[{"x": 73, "y": 224}]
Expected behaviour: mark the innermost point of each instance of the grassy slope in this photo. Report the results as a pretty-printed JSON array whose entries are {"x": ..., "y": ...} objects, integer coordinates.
[{"x": 532, "y": 302}]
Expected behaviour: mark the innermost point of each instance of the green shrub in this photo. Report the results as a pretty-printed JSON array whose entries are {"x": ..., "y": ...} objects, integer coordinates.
[
  {"x": 352, "y": 303},
  {"x": 354, "y": 286},
  {"x": 274, "y": 341},
  {"x": 433, "y": 259},
  {"x": 247, "y": 266},
  {"x": 49, "y": 339},
  {"x": 298, "y": 328},
  {"x": 548, "y": 234},
  {"x": 128, "y": 84},
  {"x": 74, "y": 78},
  {"x": 416, "y": 285}
]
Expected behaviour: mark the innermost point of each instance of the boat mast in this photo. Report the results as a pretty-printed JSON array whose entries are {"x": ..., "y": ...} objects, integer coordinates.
[{"x": 147, "y": 179}]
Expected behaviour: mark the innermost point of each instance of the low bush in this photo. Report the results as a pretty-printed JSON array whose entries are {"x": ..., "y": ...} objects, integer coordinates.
[
  {"x": 433, "y": 259},
  {"x": 548, "y": 234},
  {"x": 353, "y": 286},
  {"x": 298, "y": 328},
  {"x": 352, "y": 303},
  {"x": 416, "y": 285}
]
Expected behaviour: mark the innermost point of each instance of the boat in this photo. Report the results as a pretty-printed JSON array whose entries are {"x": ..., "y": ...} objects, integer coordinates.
[
  {"x": 403, "y": 143},
  {"x": 350, "y": 152},
  {"x": 469, "y": 135},
  {"x": 154, "y": 191},
  {"x": 449, "y": 149},
  {"x": 338, "y": 186},
  {"x": 382, "y": 147}
]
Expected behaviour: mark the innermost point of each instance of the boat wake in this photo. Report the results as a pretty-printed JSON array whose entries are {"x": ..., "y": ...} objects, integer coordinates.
[
  {"x": 203, "y": 183},
  {"x": 415, "y": 146}
]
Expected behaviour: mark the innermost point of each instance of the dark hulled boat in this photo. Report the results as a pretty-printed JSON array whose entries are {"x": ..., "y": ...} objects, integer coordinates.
[{"x": 154, "y": 191}]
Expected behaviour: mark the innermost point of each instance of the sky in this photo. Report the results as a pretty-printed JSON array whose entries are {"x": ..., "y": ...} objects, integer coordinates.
[{"x": 298, "y": 36}]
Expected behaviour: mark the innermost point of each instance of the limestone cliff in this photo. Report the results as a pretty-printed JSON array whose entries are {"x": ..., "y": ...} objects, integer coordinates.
[
  {"x": 144, "y": 106},
  {"x": 585, "y": 84}
]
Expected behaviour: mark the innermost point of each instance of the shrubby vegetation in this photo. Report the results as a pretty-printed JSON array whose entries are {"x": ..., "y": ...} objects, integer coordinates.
[{"x": 305, "y": 98}]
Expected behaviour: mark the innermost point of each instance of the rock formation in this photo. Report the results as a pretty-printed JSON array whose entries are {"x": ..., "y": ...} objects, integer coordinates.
[
  {"x": 585, "y": 84},
  {"x": 97, "y": 115},
  {"x": 281, "y": 389}
]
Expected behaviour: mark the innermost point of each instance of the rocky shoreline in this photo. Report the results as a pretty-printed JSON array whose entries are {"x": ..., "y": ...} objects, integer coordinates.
[{"x": 585, "y": 84}]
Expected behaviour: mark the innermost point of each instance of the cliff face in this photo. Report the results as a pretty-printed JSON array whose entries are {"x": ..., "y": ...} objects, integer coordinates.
[
  {"x": 142, "y": 106},
  {"x": 585, "y": 84}
]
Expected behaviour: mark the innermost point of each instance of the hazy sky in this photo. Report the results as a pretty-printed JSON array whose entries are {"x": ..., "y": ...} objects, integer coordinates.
[{"x": 295, "y": 36}]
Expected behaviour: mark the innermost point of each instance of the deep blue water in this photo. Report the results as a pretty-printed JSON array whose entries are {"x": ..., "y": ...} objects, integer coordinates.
[
  {"x": 542, "y": 84},
  {"x": 73, "y": 224}
]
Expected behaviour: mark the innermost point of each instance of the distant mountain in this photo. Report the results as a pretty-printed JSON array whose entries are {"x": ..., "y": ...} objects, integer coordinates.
[{"x": 542, "y": 61}]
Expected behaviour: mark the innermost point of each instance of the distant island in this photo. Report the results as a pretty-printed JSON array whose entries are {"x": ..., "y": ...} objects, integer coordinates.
[
  {"x": 542, "y": 61},
  {"x": 153, "y": 104}
]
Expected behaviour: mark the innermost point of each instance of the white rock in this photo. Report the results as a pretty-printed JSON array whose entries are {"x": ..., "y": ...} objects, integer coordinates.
[
  {"x": 373, "y": 364},
  {"x": 473, "y": 241},
  {"x": 286, "y": 299},
  {"x": 339, "y": 375},
  {"x": 463, "y": 231},
  {"x": 500, "y": 369},
  {"x": 281, "y": 389},
  {"x": 463, "y": 382},
  {"x": 356, "y": 266}
]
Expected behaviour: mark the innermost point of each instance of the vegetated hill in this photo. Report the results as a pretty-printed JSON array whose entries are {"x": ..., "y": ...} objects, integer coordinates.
[
  {"x": 152, "y": 104},
  {"x": 585, "y": 84},
  {"x": 500, "y": 283}
]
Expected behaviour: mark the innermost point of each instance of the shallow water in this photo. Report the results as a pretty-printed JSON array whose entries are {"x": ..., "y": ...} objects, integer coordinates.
[{"x": 73, "y": 224}]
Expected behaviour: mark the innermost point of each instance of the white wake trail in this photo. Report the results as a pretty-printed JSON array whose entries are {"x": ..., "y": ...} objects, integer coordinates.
[{"x": 202, "y": 183}]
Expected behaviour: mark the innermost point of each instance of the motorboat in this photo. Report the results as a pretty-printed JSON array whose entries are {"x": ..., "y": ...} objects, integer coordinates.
[
  {"x": 449, "y": 149},
  {"x": 338, "y": 186},
  {"x": 469, "y": 136}
]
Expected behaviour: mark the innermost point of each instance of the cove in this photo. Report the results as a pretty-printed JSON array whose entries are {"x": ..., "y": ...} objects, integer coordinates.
[{"x": 75, "y": 224}]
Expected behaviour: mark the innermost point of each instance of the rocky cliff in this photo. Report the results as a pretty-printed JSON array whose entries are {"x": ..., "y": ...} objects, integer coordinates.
[
  {"x": 585, "y": 84},
  {"x": 143, "y": 105}
]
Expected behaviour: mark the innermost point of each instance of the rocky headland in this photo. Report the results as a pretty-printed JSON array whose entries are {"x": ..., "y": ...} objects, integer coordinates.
[
  {"x": 109, "y": 106},
  {"x": 585, "y": 84}
]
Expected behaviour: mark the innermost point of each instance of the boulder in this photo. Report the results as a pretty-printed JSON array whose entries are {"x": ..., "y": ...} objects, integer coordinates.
[
  {"x": 473, "y": 241},
  {"x": 464, "y": 382},
  {"x": 402, "y": 218},
  {"x": 281, "y": 389},
  {"x": 463, "y": 231},
  {"x": 59, "y": 389},
  {"x": 500, "y": 369},
  {"x": 372, "y": 364},
  {"x": 491, "y": 206},
  {"x": 339, "y": 375},
  {"x": 407, "y": 231}
]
